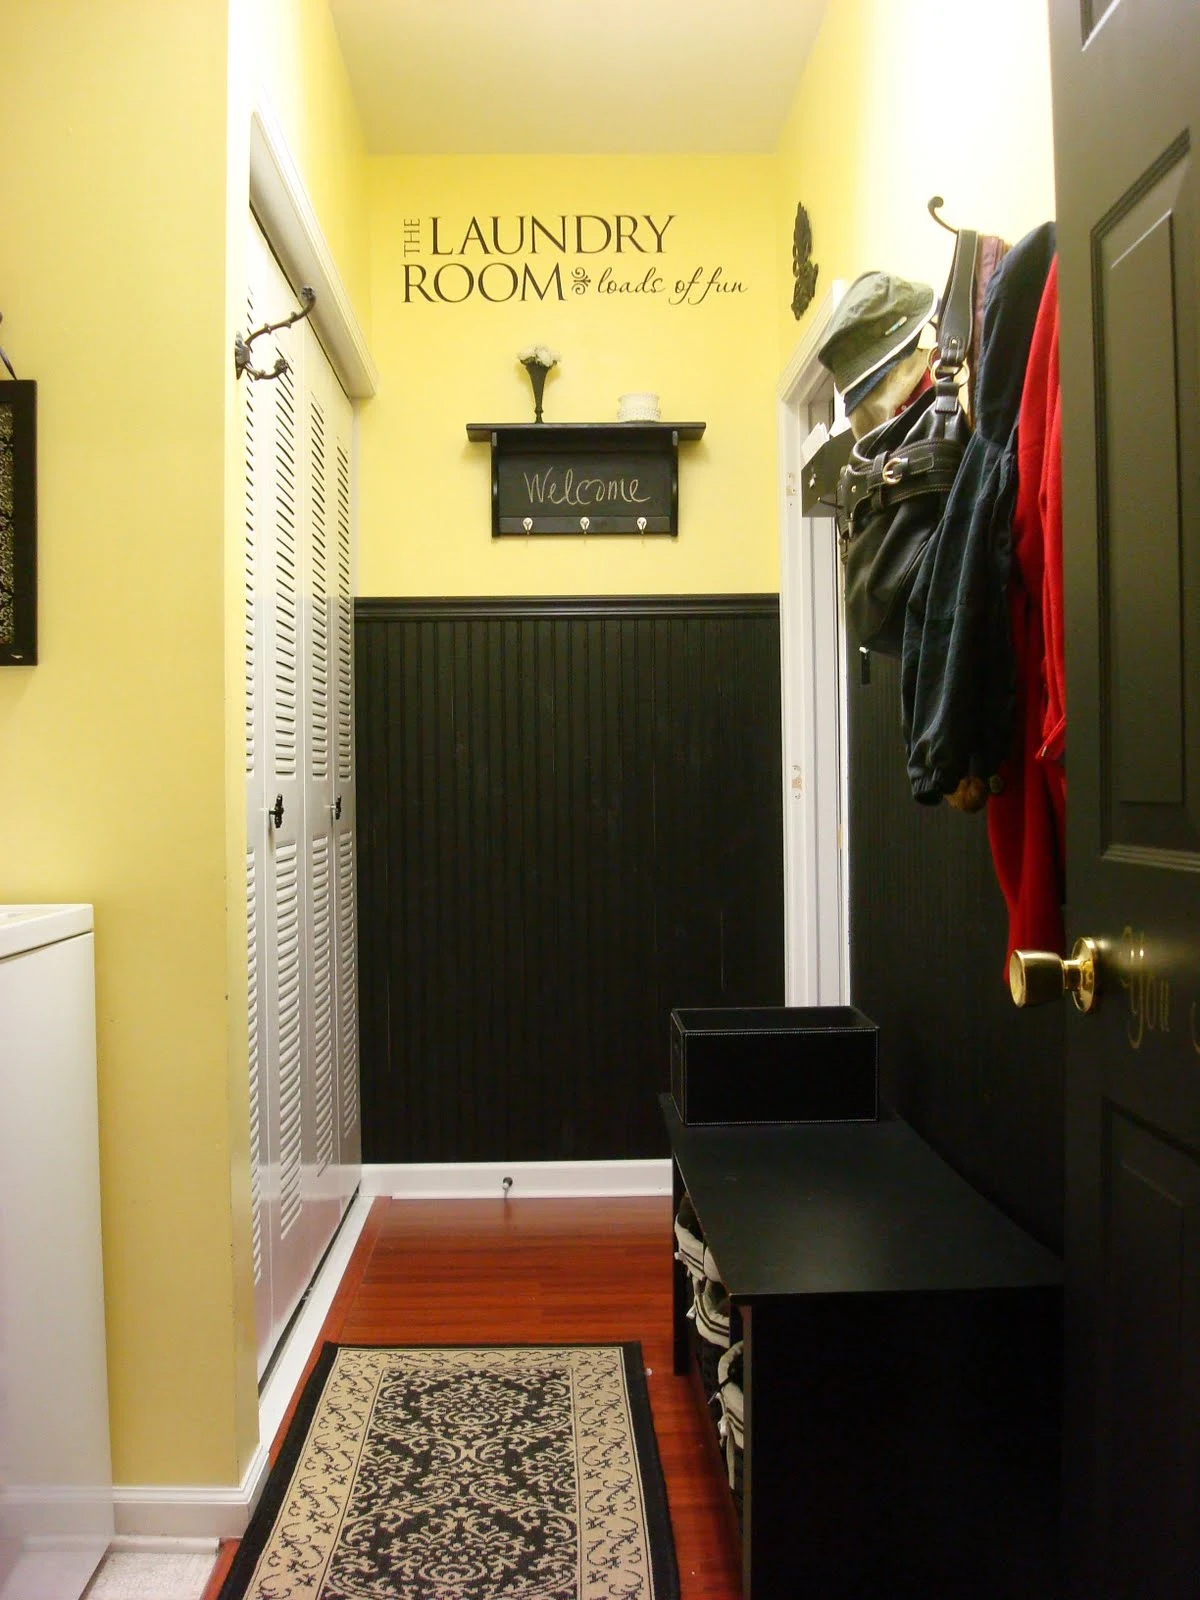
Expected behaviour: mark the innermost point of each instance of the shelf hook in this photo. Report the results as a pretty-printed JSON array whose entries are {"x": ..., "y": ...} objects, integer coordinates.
[
  {"x": 241, "y": 347},
  {"x": 935, "y": 205}
]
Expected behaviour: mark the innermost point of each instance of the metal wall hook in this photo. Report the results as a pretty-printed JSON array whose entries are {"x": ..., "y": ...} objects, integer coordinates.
[
  {"x": 241, "y": 347},
  {"x": 5, "y": 359},
  {"x": 935, "y": 205}
]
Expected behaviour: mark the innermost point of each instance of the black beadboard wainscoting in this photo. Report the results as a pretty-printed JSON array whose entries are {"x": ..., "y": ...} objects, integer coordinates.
[
  {"x": 570, "y": 822},
  {"x": 980, "y": 1080}
]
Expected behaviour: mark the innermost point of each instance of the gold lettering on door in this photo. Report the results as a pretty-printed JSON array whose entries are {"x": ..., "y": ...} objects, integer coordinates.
[{"x": 1149, "y": 995}]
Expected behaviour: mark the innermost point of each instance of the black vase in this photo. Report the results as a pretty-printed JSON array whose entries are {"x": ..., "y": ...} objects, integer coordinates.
[{"x": 537, "y": 377}]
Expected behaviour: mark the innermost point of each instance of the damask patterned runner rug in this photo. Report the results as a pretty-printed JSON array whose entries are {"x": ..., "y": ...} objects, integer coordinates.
[{"x": 497, "y": 1472}]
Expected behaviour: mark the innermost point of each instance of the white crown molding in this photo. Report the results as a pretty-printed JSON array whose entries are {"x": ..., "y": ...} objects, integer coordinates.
[
  {"x": 280, "y": 201},
  {"x": 802, "y": 364},
  {"x": 543, "y": 1180}
]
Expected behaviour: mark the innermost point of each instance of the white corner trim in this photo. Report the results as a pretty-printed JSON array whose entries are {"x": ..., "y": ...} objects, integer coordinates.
[
  {"x": 152, "y": 1513},
  {"x": 280, "y": 201},
  {"x": 292, "y": 1356},
  {"x": 816, "y": 919},
  {"x": 803, "y": 361},
  {"x": 543, "y": 1180}
]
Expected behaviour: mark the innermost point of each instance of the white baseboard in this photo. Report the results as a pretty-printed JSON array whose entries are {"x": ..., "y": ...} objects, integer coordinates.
[
  {"x": 150, "y": 1544},
  {"x": 190, "y": 1511},
  {"x": 148, "y": 1515},
  {"x": 542, "y": 1180}
]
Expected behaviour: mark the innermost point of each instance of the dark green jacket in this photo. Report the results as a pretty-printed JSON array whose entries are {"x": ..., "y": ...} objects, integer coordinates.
[{"x": 958, "y": 682}]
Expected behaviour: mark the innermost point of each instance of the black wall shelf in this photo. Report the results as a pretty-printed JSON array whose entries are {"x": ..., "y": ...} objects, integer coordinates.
[{"x": 584, "y": 477}]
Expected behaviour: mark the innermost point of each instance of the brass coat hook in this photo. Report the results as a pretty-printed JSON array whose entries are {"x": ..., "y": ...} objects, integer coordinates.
[
  {"x": 935, "y": 205},
  {"x": 241, "y": 347}
]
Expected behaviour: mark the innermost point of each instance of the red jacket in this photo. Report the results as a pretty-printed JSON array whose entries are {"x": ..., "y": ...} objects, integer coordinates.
[{"x": 1027, "y": 821}]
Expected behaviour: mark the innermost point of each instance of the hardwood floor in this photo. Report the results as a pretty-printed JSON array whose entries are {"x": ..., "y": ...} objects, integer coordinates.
[{"x": 552, "y": 1271}]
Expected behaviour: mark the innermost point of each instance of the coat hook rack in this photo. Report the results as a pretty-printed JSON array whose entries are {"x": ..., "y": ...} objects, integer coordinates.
[
  {"x": 241, "y": 347},
  {"x": 5, "y": 359},
  {"x": 935, "y": 205}
]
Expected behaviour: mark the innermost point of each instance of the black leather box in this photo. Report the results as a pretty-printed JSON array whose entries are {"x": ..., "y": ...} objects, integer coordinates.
[{"x": 774, "y": 1064}]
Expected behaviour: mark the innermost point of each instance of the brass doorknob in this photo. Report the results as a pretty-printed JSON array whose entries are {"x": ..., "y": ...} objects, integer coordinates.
[{"x": 1036, "y": 976}]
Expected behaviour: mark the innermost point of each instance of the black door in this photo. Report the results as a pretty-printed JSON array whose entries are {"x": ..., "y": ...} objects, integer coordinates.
[{"x": 1127, "y": 118}]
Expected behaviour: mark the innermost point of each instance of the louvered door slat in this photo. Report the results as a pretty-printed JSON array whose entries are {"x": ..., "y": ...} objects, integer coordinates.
[
  {"x": 287, "y": 944},
  {"x": 347, "y": 990},
  {"x": 319, "y": 593},
  {"x": 285, "y": 631},
  {"x": 256, "y": 1187},
  {"x": 345, "y": 621},
  {"x": 322, "y": 1003}
]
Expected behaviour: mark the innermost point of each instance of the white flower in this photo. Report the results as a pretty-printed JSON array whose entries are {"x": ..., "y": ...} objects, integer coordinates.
[{"x": 538, "y": 355}]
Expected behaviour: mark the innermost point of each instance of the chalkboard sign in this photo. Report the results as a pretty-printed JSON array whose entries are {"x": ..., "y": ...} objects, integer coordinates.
[{"x": 584, "y": 478}]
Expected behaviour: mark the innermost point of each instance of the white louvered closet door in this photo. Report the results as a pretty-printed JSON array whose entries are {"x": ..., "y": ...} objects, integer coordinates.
[
  {"x": 282, "y": 1037},
  {"x": 297, "y": 521}
]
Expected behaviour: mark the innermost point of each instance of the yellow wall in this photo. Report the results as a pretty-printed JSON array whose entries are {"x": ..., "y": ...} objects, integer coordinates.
[
  {"x": 424, "y": 520},
  {"x": 872, "y": 135},
  {"x": 112, "y": 267},
  {"x": 122, "y": 279}
]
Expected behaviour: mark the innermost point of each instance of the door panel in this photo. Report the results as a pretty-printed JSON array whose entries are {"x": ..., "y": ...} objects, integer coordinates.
[
  {"x": 345, "y": 800},
  {"x": 1145, "y": 329},
  {"x": 321, "y": 1194},
  {"x": 1150, "y": 1359},
  {"x": 1127, "y": 115}
]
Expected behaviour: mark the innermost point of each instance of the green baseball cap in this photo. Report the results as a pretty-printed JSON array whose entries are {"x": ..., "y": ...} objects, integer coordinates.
[{"x": 879, "y": 314}]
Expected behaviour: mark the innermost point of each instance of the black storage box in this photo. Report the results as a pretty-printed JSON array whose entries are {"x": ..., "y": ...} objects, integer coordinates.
[{"x": 774, "y": 1064}]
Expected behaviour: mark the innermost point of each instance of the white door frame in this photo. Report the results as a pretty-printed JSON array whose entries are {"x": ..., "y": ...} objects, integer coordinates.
[{"x": 812, "y": 649}]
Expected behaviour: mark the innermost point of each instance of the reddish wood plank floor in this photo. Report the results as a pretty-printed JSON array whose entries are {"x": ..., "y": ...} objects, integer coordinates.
[{"x": 549, "y": 1271}]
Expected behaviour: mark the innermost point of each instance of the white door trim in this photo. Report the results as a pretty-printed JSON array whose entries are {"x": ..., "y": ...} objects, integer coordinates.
[
  {"x": 816, "y": 909},
  {"x": 280, "y": 201}
]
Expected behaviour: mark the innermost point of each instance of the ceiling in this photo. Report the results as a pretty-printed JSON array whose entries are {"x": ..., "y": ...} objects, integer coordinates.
[{"x": 454, "y": 77}]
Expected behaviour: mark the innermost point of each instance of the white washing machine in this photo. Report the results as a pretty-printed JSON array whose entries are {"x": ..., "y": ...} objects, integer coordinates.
[{"x": 56, "y": 1503}]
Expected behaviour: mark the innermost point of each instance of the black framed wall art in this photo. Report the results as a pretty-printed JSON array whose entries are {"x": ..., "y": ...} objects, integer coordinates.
[{"x": 18, "y": 523}]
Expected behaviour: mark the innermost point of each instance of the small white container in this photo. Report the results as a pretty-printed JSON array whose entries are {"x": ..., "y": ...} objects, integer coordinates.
[{"x": 638, "y": 408}]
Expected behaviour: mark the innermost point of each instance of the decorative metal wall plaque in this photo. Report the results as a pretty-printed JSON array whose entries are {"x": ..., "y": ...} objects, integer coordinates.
[
  {"x": 804, "y": 267},
  {"x": 18, "y": 523}
]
